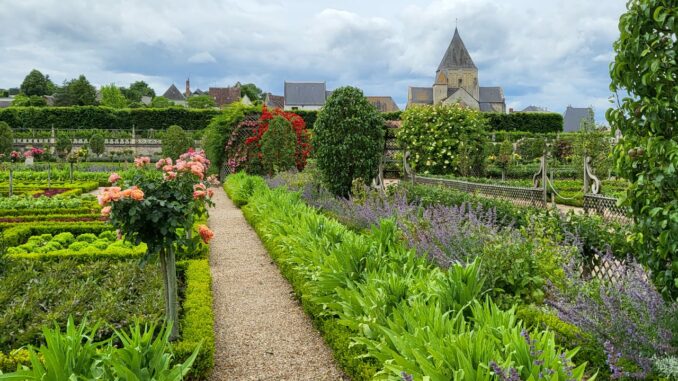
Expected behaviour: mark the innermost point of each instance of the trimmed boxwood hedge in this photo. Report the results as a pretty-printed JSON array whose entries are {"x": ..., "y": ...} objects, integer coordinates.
[
  {"x": 100, "y": 117},
  {"x": 537, "y": 122}
]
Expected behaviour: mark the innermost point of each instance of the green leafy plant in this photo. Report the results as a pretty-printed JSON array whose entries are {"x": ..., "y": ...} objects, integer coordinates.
[
  {"x": 64, "y": 145},
  {"x": 444, "y": 139},
  {"x": 75, "y": 354},
  {"x": 97, "y": 144},
  {"x": 6, "y": 139},
  {"x": 278, "y": 145},
  {"x": 175, "y": 142},
  {"x": 348, "y": 140},
  {"x": 645, "y": 68},
  {"x": 201, "y": 102}
]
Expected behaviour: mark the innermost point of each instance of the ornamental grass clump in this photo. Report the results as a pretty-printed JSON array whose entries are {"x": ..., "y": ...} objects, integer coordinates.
[{"x": 159, "y": 208}]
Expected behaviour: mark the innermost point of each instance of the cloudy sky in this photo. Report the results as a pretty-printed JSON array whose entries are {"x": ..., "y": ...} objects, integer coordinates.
[{"x": 549, "y": 53}]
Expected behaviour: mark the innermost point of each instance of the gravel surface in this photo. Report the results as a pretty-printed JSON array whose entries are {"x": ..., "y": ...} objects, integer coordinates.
[{"x": 261, "y": 331}]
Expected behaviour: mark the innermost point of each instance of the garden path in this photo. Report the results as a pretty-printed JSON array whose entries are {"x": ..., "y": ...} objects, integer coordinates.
[{"x": 261, "y": 331}]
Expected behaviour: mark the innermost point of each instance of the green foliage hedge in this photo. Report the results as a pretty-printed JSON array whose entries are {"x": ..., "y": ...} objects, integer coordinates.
[
  {"x": 537, "y": 122},
  {"x": 99, "y": 117},
  {"x": 17, "y": 234},
  {"x": 197, "y": 318}
]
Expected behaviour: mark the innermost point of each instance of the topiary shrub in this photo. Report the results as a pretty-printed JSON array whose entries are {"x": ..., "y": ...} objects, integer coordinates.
[
  {"x": 6, "y": 138},
  {"x": 444, "y": 139},
  {"x": 349, "y": 140},
  {"x": 97, "y": 144},
  {"x": 64, "y": 145},
  {"x": 175, "y": 142},
  {"x": 531, "y": 148},
  {"x": 278, "y": 145}
]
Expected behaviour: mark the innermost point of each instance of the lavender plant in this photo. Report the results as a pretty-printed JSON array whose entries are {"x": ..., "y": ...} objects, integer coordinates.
[{"x": 628, "y": 317}]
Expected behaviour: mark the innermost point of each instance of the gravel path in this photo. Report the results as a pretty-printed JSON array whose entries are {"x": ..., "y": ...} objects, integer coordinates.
[{"x": 261, "y": 331}]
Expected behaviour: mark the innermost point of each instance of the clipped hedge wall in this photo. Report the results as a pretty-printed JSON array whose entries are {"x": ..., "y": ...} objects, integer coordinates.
[
  {"x": 100, "y": 117},
  {"x": 537, "y": 122},
  {"x": 197, "y": 321}
]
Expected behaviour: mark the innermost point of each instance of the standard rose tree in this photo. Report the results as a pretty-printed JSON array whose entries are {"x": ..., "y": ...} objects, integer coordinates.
[{"x": 159, "y": 207}]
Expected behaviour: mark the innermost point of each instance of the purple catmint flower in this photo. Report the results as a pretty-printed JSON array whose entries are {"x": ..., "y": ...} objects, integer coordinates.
[{"x": 406, "y": 377}]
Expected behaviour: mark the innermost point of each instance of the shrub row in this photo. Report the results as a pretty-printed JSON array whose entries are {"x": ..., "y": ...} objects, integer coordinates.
[
  {"x": 16, "y": 234},
  {"x": 197, "y": 321},
  {"x": 537, "y": 122},
  {"x": 99, "y": 117}
]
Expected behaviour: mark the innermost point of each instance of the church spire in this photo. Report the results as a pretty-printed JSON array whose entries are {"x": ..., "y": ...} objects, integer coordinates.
[{"x": 456, "y": 56}]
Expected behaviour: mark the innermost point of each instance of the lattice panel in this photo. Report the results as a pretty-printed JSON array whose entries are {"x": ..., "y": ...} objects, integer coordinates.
[
  {"x": 391, "y": 163},
  {"x": 518, "y": 195},
  {"x": 606, "y": 269},
  {"x": 605, "y": 207}
]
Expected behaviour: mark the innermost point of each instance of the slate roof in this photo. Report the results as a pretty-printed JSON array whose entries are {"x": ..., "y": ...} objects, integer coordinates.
[
  {"x": 574, "y": 116},
  {"x": 305, "y": 93},
  {"x": 456, "y": 56},
  {"x": 174, "y": 94},
  {"x": 274, "y": 101},
  {"x": 383, "y": 104},
  {"x": 485, "y": 107},
  {"x": 491, "y": 94},
  {"x": 422, "y": 95},
  {"x": 224, "y": 95},
  {"x": 534, "y": 109},
  {"x": 198, "y": 92}
]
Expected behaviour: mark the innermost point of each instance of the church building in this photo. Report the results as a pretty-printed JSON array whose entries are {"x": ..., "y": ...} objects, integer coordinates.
[{"x": 456, "y": 81}]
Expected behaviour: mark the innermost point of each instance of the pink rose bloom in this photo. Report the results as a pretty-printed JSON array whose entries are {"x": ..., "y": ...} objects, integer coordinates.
[
  {"x": 160, "y": 163},
  {"x": 199, "y": 186},
  {"x": 167, "y": 168},
  {"x": 181, "y": 165},
  {"x": 199, "y": 194},
  {"x": 168, "y": 160},
  {"x": 170, "y": 175},
  {"x": 106, "y": 211},
  {"x": 113, "y": 178}
]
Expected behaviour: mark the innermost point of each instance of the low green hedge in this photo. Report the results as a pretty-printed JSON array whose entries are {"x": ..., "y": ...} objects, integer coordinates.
[
  {"x": 105, "y": 118},
  {"x": 16, "y": 234},
  {"x": 93, "y": 209},
  {"x": 197, "y": 318}
]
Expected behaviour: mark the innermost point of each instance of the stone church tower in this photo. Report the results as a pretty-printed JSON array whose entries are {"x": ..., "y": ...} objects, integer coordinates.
[
  {"x": 456, "y": 81},
  {"x": 457, "y": 70}
]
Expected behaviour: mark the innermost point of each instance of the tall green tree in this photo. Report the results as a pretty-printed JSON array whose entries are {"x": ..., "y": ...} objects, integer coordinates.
[
  {"x": 252, "y": 91},
  {"x": 137, "y": 90},
  {"x": 646, "y": 71},
  {"x": 349, "y": 140},
  {"x": 201, "y": 102},
  {"x": 111, "y": 96},
  {"x": 36, "y": 83},
  {"x": 76, "y": 92}
]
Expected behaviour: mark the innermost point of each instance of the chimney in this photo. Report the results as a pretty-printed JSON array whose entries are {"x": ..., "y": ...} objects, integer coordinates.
[{"x": 188, "y": 87}]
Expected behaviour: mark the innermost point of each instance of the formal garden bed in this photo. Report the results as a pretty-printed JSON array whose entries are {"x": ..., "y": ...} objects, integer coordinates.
[{"x": 62, "y": 261}]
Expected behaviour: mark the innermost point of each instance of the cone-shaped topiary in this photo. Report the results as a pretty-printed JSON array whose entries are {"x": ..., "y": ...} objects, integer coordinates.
[{"x": 349, "y": 140}]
